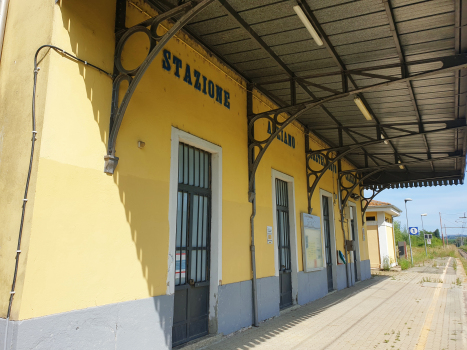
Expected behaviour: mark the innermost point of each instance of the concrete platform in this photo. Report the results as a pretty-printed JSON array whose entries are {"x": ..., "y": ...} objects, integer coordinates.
[{"x": 419, "y": 308}]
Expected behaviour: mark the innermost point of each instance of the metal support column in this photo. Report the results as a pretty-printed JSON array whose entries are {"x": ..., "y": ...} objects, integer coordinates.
[{"x": 252, "y": 199}]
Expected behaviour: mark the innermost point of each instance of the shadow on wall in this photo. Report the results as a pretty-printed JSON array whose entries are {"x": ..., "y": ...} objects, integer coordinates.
[{"x": 140, "y": 196}]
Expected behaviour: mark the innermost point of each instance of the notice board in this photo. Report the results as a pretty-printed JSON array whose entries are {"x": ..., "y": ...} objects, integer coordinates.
[{"x": 312, "y": 243}]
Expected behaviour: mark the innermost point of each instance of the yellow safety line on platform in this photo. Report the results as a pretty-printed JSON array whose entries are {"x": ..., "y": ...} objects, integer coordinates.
[{"x": 431, "y": 311}]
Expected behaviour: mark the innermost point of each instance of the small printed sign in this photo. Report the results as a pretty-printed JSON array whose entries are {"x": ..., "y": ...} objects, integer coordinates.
[
  {"x": 413, "y": 231},
  {"x": 269, "y": 234},
  {"x": 428, "y": 241}
]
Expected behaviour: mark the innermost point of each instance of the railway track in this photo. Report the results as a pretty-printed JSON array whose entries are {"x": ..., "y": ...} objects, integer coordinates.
[{"x": 463, "y": 253}]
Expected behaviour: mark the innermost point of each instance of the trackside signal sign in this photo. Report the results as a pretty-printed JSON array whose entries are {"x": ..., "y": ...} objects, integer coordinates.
[{"x": 413, "y": 231}]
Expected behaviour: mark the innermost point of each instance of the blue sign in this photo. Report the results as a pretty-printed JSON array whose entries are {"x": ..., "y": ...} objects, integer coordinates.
[{"x": 413, "y": 231}]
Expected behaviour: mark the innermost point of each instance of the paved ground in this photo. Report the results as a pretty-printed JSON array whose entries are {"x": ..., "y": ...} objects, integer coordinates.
[{"x": 421, "y": 308}]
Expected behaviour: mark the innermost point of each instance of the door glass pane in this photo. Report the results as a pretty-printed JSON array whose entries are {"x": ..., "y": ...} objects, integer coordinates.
[
  {"x": 182, "y": 266},
  {"x": 204, "y": 267},
  {"x": 184, "y": 219},
  {"x": 201, "y": 169},
  {"x": 185, "y": 164},
  {"x": 194, "y": 226},
  {"x": 198, "y": 265},
  {"x": 191, "y": 156},
  {"x": 177, "y": 267},
  {"x": 205, "y": 223},
  {"x": 193, "y": 265},
  {"x": 180, "y": 163},
  {"x": 206, "y": 170},
  {"x": 179, "y": 219},
  {"x": 201, "y": 221},
  {"x": 196, "y": 167}
]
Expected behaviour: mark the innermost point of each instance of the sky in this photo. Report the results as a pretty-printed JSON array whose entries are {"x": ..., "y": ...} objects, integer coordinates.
[{"x": 451, "y": 201}]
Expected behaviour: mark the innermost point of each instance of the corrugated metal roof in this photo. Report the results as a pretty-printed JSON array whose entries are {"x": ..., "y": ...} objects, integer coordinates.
[{"x": 360, "y": 34}]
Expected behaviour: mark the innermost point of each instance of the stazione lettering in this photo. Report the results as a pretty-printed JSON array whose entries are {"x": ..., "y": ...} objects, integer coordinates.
[{"x": 197, "y": 80}]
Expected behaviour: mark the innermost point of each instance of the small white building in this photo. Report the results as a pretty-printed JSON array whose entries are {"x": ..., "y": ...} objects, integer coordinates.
[{"x": 381, "y": 237}]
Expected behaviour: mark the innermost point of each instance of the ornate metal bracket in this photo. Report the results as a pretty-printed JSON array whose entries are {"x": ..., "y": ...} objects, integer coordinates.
[
  {"x": 257, "y": 148},
  {"x": 134, "y": 76},
  {"x": 316, "y": 166},
  {"x": 365, "y": 201}
]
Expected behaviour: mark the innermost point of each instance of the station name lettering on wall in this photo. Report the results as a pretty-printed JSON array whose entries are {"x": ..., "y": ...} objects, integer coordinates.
[
  {"x": 318, "y": 158},
  {"x": 197, "y": 80},
  {"x": 289, "y": 140}
]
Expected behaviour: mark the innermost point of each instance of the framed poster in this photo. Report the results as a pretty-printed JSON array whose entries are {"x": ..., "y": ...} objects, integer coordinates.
[{"x": 312, "y": 243}]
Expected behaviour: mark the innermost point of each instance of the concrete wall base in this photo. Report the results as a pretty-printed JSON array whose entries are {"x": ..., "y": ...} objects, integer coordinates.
[
  {"x": 235, "y": 308},
  {"x": 139, "y": 324},
  {"x": 312, "y": 286},
  {"x": 365, "y": 269},
  {"x": 147, "y": 323}
]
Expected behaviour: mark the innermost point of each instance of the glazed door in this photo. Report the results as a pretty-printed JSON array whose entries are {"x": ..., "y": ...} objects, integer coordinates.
[
  {"x": 327, "y": 241},
  {"x": 283, "y": 240},
  {"x": 354, "y": 238},
  {"x": 191, "y": 303}
]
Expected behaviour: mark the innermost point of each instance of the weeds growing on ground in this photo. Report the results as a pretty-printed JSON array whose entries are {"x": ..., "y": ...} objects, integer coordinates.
[{"x": 420, "y": 257}]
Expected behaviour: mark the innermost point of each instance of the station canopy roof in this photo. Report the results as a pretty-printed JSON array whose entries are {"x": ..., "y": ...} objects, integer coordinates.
[{"x": 265, "y": 41}]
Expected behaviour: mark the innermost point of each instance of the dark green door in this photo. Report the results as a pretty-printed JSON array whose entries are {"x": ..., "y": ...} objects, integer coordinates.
[
  {"x": 354, "y": 238},
  {"x": 283, "y": 240},
  {"x": 191, "y": 304},
  {"x": 327, "y": 241}
]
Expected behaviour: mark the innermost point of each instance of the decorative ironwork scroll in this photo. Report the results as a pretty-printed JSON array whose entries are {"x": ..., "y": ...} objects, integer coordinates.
[
  {"x": 365, "y": 201},
  {"x": 134, "y": 76}
]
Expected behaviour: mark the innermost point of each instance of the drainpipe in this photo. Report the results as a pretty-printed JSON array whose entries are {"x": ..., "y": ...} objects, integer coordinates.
[
  {"x": 253, "y": 259},
  {"x": 341, "y": 209},
  {"x": 3, "y": 13},
  {"x": 252, "y": 199}
]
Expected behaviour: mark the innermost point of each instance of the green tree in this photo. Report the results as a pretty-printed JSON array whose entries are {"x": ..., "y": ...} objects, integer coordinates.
[
  {"x": 436, "y": 233},
  {"x": 400, "y": 232}
]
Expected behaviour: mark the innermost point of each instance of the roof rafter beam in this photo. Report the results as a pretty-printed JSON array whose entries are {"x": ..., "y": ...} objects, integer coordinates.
[
  {"x": 400, "y": 53},
  {"x": 335, "y": 56},
  {"x": 369, "y": 169},
  {"x": 231, "y": 12},
  {"x": 451, "y": 125}
]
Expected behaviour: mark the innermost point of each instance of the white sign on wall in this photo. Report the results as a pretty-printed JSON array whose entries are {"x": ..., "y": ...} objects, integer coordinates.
[
  {"x": 312, "y": 243},
  {"x": 269, "y": 234}
]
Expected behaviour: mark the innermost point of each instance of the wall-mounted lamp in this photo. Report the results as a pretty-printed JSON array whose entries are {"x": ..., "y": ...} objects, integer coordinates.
[
  {"x": 361, "y": 106},
  {"x": 298, "y": 10},
  {"x": 141, "y": 144}
]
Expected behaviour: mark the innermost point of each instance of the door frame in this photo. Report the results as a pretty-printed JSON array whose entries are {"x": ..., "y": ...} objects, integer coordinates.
[
  {"x": 215, "y": 271},
  {"x": 332, "y": 225},
  {"x": 353, "y": 207},
  {"x": 275, "y": 174}
]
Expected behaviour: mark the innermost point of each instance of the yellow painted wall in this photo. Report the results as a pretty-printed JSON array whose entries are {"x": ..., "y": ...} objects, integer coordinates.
[
  {"x": 373, "y": 246},
  {"x": 22, "y": 39},
  {"x": 390, "y": 238},
  {"x": 99, "y": 239}
]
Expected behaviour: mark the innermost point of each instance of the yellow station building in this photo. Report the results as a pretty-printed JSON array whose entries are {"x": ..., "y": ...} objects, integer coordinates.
[
  {"x": 151, "y": 230},
  {"x": 381, "y": 237}
]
